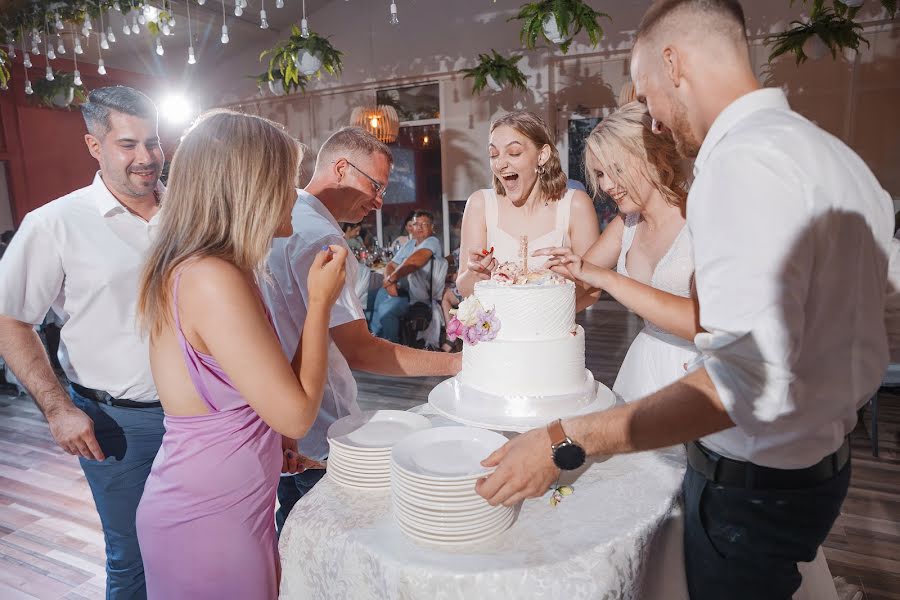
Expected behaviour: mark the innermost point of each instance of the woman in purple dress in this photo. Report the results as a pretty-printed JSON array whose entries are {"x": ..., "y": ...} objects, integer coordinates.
[{"x": 205, "y": 522}]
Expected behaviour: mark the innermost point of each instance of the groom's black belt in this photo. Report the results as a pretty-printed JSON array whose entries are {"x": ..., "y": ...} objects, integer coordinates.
[
  {"x": 727, "y": 471},
  {"x": 105, "y": 398}
]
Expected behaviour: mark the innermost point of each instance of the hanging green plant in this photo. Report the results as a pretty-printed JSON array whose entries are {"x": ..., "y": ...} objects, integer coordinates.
[
  {"x": 59, "y": 93},
  {"x": 829, "y": 29},
  {"x": 299, "y": 58},
  {"x": 278, "y": 84},
  {"x": 4, "y": 69},
  {"x": 558, "y": 22},
  {"x": 496, "y": 72}
]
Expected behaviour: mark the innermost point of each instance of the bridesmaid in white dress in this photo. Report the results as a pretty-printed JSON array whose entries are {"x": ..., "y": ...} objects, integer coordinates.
[
  {"x": 643, "y": 259},
  {"x": 528, "y": 197}
]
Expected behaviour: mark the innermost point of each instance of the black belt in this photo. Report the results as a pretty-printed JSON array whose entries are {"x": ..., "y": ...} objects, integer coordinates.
[
  {"x": 718, "y": 469},
  {"x": 105, "y": 398}
]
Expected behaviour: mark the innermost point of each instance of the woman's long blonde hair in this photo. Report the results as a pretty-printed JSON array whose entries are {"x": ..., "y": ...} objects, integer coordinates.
[
  {"x": 551, "y": 179},
  {"x": 230, "y": 183},
  {"x": 628, "y": 132}
]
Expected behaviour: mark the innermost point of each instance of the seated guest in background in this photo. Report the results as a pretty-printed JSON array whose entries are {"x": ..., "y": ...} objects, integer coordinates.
[
  {"x": 351, "y": 235},
  {"x": 82, "y": 254},
  {"x": 407, "y": 278},
  {"x": 451, "y": 297},
  {"x": 205, "y": 519},
  {"x": 350, "y": 176},
  {"x": 406, "y": 234}
]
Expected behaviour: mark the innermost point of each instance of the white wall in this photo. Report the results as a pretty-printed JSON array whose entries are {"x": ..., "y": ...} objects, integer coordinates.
[{"x": 857, "y": 100}]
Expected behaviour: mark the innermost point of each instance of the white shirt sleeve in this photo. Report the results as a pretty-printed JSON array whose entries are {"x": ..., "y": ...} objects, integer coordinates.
[
  {"x": 748, "y": 218},
  {"x": 347, "y": 308},
  {"x": 31, "y": 273}
]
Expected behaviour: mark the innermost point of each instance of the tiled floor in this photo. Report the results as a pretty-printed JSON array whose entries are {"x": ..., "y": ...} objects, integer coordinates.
[{"x": 51, "y": 545}]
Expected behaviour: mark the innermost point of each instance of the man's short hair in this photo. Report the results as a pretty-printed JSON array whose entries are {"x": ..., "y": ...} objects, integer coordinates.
[
  {"x": 102, "y": 101},
  {"x": 729, "y": 12},
  {"x": 424, "y": 213},
  {"x": 354, "y": 141}
]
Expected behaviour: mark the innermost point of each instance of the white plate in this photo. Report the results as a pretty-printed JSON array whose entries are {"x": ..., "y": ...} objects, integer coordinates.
[
  {"x": 365, "y": 466},
  {"x": 452, "y": 401},
  {"x": 470, "y": 515},
  {"x": 375, "y": 429},
  {"x": 379, "y": 456},
  {"x": 433, "y": 492},
  {"x": 435, "y": 485},
  {"x": 446, "y": 540},
  {"x": 349, "y": 482},
  {"x": 438, "y": 505},
  {"x": 446, "y": 453},
  {"x": 451, "y": 527}
]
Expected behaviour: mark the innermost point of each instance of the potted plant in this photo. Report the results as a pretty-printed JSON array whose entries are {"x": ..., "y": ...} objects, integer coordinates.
[
  {"x": 59, "y": 93},
  {"x": 558, "y": 21},
  {"x": 299, "y": 58},
  {"x": 495, "y": 72},
  {"x": 279, "y": 83},
  {"x": 4, "y": 69},
  {"x": 828, "y": 29}
]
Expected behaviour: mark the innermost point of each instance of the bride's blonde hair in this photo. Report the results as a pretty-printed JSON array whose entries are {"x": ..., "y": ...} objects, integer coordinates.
[
  {"x": 628, "y": 132},
  {"x": 231, "y": 181}
]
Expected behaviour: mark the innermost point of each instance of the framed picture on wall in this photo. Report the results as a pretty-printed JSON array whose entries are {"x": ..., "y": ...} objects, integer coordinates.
[{"x": 402, "y": 183}]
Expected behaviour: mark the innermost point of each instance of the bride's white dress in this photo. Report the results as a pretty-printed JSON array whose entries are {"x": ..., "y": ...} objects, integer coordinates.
[{"x": 655, "y": 359}]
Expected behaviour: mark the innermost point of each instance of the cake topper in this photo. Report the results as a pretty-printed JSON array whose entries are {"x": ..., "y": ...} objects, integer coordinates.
[{"x": 523, "y": 253}]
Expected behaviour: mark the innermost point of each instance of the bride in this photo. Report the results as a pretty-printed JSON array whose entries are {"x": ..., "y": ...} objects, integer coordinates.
[{"x": 644, "y": 260}]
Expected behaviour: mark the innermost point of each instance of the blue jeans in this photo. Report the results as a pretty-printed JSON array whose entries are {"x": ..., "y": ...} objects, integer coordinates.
[
  {"x": 130, "y": 439},
  {"x": 386, "y": 315},
  {"x": 291, "y": 489},
  {"x": 744, "y": 544}
]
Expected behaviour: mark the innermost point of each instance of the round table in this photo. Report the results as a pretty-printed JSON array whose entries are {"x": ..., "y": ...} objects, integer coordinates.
[{"x": 617, "y": 536}]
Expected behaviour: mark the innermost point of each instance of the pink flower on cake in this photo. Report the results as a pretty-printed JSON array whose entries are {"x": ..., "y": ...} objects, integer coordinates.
[
  {"x": 488, "y": 324},
  {"x": 455, "y": 329}
]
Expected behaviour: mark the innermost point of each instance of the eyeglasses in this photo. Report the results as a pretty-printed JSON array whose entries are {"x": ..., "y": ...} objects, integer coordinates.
[{"x": 380, "y": 190}]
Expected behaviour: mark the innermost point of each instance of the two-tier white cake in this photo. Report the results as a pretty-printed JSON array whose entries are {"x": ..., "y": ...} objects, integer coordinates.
[
  {"x": 538, "y": 351},
  {"x": 531, "y": 369}
]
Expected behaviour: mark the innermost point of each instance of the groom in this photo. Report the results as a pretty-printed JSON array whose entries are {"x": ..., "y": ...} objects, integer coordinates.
[{"x": 794, "y": 337}]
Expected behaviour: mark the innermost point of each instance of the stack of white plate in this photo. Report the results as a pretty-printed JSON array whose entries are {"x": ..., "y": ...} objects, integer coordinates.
[
  {"x": 433, "y": 475},
  {"x": 360, "y": 446}
]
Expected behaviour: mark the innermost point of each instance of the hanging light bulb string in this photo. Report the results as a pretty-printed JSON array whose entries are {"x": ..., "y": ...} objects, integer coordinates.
[
  {"x": 224, "y": 25},
  {"x": 394, "y": 20},
  {"x": 263, "y": 21},
  {"x": 191, "y": 59},
  {"x": 77, "y": 79},
  {"x": 101, "y": 68},
  {"x": 304, "y": 24},
  {"x": 48, "y": 47}
]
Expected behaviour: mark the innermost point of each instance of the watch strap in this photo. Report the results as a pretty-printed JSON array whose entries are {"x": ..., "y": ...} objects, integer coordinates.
[{"x": 557, "y": 434}]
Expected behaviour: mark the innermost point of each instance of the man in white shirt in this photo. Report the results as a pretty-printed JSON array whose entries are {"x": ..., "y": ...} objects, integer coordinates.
[
  {"x": 351, "y": 175},
  {"x": 791, "y": 236},
  {"x": 408, "y": 278},
  {"x": 82, "y": 256}
]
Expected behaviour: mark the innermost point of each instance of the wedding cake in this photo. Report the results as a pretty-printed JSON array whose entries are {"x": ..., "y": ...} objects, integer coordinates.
[
  {"x": 538, "y": 349},
  {"x": 523, "y": 354}
]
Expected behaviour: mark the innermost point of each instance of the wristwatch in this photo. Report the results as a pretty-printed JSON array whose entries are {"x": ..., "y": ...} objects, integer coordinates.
[{"x": 567, "y": 455}]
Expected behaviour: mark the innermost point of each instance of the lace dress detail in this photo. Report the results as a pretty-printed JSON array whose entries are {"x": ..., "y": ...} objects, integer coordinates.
[{"x": 674, "y": 273}]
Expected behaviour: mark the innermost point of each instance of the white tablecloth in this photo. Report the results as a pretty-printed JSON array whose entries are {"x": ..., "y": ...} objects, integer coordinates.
[{"x": 617, "y": 536}]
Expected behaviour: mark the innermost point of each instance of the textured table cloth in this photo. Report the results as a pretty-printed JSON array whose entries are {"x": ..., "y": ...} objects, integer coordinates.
[{"x": 617, "y": 536}]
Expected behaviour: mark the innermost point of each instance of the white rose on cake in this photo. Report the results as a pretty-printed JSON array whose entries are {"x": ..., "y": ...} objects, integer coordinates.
[{"x": 468, "y": 310}]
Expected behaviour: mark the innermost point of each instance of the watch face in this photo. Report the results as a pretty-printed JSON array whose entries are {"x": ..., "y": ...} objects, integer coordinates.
[{"x": 569, "y": 456}]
